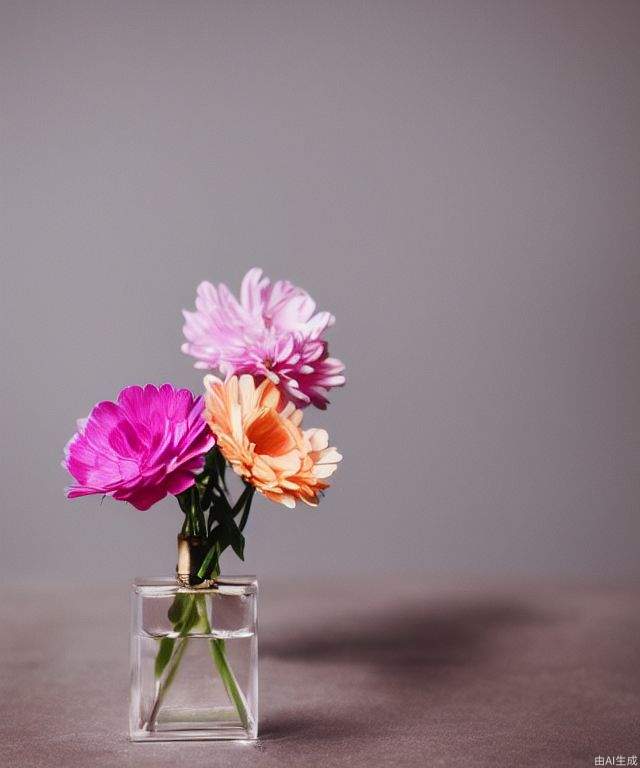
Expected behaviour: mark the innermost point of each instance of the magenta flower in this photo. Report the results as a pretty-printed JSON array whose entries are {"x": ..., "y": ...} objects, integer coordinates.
[
  {"x": 272, "y": 332},
  {"x": 149, "y": 443}
]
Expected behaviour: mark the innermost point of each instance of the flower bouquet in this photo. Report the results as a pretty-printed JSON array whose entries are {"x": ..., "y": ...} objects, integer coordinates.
[{"x": 194, "y": 637}]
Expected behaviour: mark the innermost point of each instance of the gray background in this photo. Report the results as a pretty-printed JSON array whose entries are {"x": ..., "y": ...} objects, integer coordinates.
[{"x": 457, "y": 182}]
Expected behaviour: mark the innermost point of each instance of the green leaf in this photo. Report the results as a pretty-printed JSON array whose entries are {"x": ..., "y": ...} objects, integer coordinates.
[
  {"x": 227, "y": 532},
  {"x": 222, "y": 505},
  {"x": 236, "y": 539},
  {"x": 175, "y": 609},
  {"x": 210, "y": 565},
  {"x": 178, "y": 608},
  {"x": 248, "y": 494},
  {"x": 231, "y": 534},
  {"x": 184, "y": 500},
  {"x": 190, "y": 618},
  {"x": 207, "y": 494},
  {"x": 220, "y": 462},
  {"x": 182, "y": 613},
  {"x": 210, "y": 458},
  {"x": 164, "y": 654}
]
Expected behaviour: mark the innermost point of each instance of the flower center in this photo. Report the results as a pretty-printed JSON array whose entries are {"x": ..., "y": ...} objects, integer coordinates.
[{"x": 269, "y": 434}]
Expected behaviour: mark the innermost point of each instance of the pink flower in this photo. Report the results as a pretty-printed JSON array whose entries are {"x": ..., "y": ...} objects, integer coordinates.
[
  {"x": 149, "y": 443},
  {"x": 272, "y": 332}
]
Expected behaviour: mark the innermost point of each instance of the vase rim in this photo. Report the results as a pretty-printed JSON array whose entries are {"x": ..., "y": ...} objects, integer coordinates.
[{"x": 226, "y": 585}]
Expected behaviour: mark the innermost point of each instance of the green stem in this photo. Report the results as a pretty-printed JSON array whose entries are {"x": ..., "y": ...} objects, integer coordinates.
[
  {"x": 209, "y": 491},
  {"x": 164, "y": 685},
  {"x": 218, "y": 654},
  {"x": 197, "y": 513}
]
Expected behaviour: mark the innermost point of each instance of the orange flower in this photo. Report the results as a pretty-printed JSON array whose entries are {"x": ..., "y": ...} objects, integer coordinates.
[{"x": 264, "y": 444}]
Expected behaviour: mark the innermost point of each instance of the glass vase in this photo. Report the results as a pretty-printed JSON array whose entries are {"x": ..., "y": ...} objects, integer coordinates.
[{"x": 194, "y": 660}]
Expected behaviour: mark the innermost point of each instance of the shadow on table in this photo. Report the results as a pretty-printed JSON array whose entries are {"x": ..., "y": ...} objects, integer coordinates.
[
  {"x": 311, "y": 727},
  {"x": 416, "y": 639},
  {"x": 411, "y": 651}
]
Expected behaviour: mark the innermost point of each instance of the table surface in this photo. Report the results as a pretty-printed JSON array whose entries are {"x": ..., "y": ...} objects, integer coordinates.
[{"x": 409, "y": 672}]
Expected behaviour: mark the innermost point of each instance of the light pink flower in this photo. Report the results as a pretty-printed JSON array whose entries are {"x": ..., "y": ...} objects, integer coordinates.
[
  {"x": 149, "y": 443},
  {"x": 272, "y": 332}
]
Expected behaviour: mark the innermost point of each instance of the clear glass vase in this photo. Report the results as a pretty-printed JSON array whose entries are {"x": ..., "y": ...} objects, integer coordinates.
[{"x": 194, "y": 660}]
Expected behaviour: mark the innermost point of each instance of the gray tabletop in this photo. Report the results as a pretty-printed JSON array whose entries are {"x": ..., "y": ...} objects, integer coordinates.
[{"x": 404, "y": 673}]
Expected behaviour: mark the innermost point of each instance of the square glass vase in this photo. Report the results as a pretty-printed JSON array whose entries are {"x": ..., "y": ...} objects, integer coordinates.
[{"x": 194, "y": 660}]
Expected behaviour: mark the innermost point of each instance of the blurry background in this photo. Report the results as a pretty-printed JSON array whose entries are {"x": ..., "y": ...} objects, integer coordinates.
[{"x": 458, "y": 182}]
